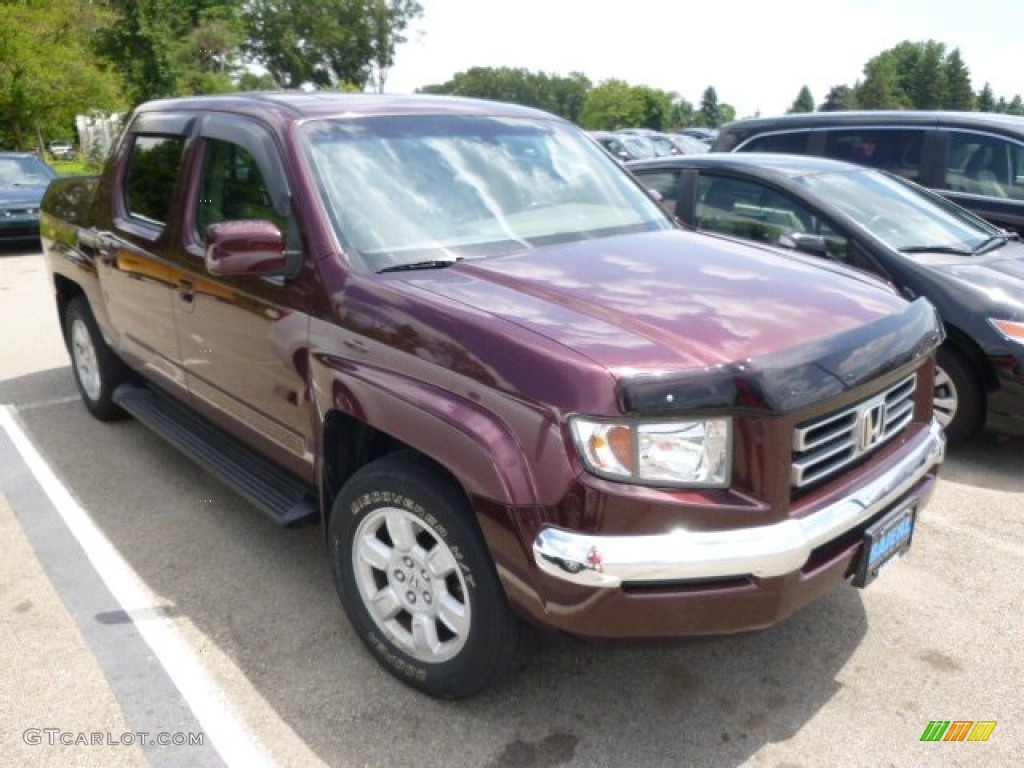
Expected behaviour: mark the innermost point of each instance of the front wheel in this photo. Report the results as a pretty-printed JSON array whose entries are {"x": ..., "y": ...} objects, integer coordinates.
[
  {"x": 959, "y": 399},
  {"x": 417, "y": 581}
]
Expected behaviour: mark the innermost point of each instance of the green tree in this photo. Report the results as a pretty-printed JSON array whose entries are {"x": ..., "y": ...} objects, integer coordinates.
[
  {"x": 613, "y": 104},
  {"x": 48, "y": 70},
  {"x": 709, "y": 115},
  {"x": 1016, "y": 106},
  {"x": 804, "y": 101},
  {"x": 388, "y": 21},
  {"x": 657, "y": 107},
  {"x": 881, "y": 88},
  {"x": 325, "y": 42},
  {"x": 959, "y": 93},
  {"x": 986, "y": 100},
  {"x": 169, "y": 47},
  {"x": 564, "y": 96},
  {"x": 839, "y": 98},
  {"x": 928, "y": 88},
  {"x": 726, "y": 113},
  {"x": 682, "y": 114}
]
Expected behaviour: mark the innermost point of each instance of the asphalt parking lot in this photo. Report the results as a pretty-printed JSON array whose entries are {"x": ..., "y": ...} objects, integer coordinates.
[{"x": 248, "y": 610}]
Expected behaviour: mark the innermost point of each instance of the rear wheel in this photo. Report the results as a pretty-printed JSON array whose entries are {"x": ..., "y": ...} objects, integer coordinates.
[
  {"x": 98, "y": 371},
  {"x": 959, "y": 397},
  {"x": 417, "y": 580}
]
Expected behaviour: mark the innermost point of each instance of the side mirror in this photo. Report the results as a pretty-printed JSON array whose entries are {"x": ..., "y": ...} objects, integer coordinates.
[
  {"x": 245, "y": 248},
  {"x": 805, "y": 243}
]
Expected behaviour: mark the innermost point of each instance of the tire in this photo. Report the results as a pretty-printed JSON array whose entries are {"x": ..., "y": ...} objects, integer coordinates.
[
  {"x": 98, "y": 371},
  {"x": 959, "y": 398},
  {"x": 417, "y": 581}
]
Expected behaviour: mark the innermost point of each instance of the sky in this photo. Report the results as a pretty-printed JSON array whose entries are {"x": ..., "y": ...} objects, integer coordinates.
[{"x": 756, "y": 53}]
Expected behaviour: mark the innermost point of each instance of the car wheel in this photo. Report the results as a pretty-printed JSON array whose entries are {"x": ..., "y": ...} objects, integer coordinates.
[
  {"x": 417, "y": 582},
  {"x": 98, "y": 371},
  {"x": 959, "y": 399}
]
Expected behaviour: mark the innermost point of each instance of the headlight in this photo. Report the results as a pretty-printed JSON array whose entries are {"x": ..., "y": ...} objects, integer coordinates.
[
  {"x": 692, "y": 454},
  {"x": 1011, "y": 330}
]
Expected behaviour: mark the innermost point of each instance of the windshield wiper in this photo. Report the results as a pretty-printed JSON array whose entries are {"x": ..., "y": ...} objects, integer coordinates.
[
  {"x": 937, "y": 249},
  {"x": 992, "y": 242},
  {"x": 432, "y": 264}
]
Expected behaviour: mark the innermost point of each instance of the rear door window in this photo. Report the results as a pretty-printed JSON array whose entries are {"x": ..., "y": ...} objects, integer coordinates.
[
  {"x": 151, "y": 176},
  {"x": 897, "y": 150},
  {"x": 985, "y": 165}
]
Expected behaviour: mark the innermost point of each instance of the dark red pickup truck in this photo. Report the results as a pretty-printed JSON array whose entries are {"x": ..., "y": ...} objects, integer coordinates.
[{"x": 464, "y": 340}]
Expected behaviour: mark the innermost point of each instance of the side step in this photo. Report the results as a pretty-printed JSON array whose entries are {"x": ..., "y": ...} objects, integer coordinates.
[{"x": 286, "y": 500}]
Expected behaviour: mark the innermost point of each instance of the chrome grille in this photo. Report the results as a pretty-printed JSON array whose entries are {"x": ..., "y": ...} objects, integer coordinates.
[{"x": 824, "y": 446}]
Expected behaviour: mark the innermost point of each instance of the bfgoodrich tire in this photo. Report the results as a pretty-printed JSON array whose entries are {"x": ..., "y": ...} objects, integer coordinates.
[
  {"x": 417, "y": 581},
  {"x": 98, "y": 371}
]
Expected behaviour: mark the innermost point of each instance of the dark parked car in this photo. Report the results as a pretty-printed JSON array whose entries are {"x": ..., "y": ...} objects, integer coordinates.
[
  {"x": 23, "y": 180},
  {"x": 975, "y": 159},
  {"x": 923, "y": 244}
]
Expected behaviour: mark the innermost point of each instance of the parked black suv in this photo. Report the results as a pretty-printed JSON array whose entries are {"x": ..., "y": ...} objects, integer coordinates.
[{"x": 975, "y": 159}]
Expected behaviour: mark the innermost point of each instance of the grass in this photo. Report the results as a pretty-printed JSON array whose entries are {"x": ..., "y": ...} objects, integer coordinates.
[{"x": 74, "y": 167}]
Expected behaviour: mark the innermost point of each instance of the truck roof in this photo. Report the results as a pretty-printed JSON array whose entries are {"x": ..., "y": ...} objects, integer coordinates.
[{"x": 298, "y": 105}]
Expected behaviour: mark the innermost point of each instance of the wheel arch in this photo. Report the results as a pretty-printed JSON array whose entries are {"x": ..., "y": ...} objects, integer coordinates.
[
  {"x": 368, "y": 417},
  {"x": 974, "y": 355}
]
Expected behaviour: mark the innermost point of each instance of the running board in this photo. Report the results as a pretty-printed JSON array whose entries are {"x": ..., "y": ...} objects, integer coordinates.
[{"x": 286, "y": 500}]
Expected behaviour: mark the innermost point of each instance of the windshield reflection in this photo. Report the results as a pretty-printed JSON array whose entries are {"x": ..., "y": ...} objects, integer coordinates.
[{"x": 430, "y": 190}]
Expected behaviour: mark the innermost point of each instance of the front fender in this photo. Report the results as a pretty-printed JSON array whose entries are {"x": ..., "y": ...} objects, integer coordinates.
[{"x": 475, "y": 446}]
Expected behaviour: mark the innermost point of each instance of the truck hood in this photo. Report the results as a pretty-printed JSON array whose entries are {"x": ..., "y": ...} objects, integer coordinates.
[{"x": 654, "y": 307}]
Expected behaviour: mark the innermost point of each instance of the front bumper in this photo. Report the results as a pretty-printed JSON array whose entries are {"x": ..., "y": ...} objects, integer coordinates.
[{"x": 763, "y": 552}]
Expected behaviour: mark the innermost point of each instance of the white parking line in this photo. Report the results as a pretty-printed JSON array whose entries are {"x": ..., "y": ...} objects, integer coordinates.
[{"x": 229, "y": 737}]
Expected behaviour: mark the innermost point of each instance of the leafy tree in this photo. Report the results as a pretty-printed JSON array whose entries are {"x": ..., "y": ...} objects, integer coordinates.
[
  {"x": 564, "y": 96},
  {"x": 804, "y": 101},
  {"x": 657, "y": 107},
  {"x": 726, "y": 113},
  {"x": 928, "y": 79},
  {"x": 839, "y": 98},
  {"x": 325, "y": 42},
  {"x": 959, "y": 94},
  {"x": 48, "y": 71},
  {"x": 881, "y": 88},
  {"x": 681, "y": 115},
  {"x": 709, "y": 113},
  {"x": 388, "y": 22},
  {"x": 986, "y": 100},
  {"x": 1016, "y": 106},
  {"x": 614, "y": 104}
]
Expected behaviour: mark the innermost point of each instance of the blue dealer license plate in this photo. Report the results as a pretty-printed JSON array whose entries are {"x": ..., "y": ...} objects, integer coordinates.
[{"x": 884, "y": 544}]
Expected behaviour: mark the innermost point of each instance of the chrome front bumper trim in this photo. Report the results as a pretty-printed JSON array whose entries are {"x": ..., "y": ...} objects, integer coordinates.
[{"x": 764, "y": 551}]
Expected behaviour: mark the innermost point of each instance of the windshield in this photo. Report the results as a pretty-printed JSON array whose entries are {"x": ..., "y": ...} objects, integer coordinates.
[
  {"x": 415, "y": 189},
  {"x": 900, "y": 214},
  {"x": 24, "y": 171}
]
